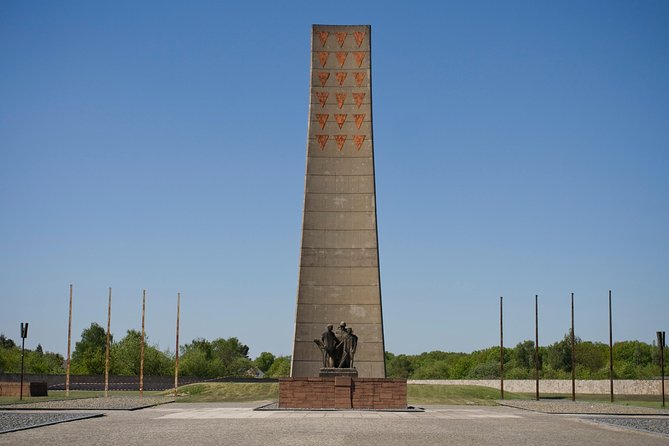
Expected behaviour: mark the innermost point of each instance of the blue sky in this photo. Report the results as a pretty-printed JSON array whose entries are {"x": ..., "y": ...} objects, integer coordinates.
[{"x": 521, "y": 148}]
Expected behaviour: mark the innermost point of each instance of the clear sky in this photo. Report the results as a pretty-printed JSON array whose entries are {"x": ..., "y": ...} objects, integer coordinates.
[{"x": 521, "y": 148}]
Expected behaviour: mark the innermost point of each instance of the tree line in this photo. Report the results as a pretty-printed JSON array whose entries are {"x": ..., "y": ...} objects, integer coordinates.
[
  {"x": 632, "y": 360},
  {"x": 229, "y": 358}
]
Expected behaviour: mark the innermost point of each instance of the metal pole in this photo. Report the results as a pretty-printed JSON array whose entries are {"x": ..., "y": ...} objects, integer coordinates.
[
  {"x": 23, "y": 347},
  {"x": 107, "y": 345},
  {"x": 141, "y": 349},
  {"x": 610, "y": 347},
  {"x": 661, "y": 340},
  {"x": 573, "y": 353},
  {"x": 69, "y": 343},
  {"x": 501, "y": 346},
  {"x": 176, "y": 362},
  {"x": 536, "y": 342}
]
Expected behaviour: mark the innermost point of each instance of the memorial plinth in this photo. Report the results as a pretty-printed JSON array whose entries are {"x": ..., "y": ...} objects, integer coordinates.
[{"x": 342, "y": 392}]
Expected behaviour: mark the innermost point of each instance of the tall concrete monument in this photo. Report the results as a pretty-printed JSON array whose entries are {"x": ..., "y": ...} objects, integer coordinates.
[{"x": 339, "y": 262}]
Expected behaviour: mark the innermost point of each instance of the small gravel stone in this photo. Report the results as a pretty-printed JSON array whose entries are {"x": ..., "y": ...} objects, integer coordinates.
[
  {"x": 581, "y": 407},
  {"x": 111, "y": 403},
  {"x": 654, "y": 425},
  {"x": 18, "y": 421}
]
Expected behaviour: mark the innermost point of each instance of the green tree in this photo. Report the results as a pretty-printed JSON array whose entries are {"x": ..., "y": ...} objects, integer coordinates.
[
  {"x": 400, "y": 366},
  {"x": 125, "y": 357},
  {"x": 6, "y": 342},
  {"x": 280, "y": 368},
  {"x": 88, "y": 357},
  {"x": 264, "y": 361},
  {"x": 218, "y": 358}
]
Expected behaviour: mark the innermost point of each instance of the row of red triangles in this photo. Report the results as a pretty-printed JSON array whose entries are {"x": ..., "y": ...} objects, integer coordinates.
[
  {"x": 340, "y": 140},
  {"x": 359, "y": 37},
  {"x": 340, "y": 119},
  {"x": 323, "y": 76},
  {"x": 341, "y": 57},
  {"x": 341, "y": 97}
]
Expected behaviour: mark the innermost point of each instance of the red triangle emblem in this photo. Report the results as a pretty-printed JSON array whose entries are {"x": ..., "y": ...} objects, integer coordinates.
[
  {"x": 341, "y": 97},
  {"x": 322, "y": 119},
  {"x": 359, "y": 37},
  {"x": 360, "y": 78},
  {"x": 341, "y": 38},
  {"x": 322, "y": 140},
  {"x": 358, "y": 98},
  {"x": 322, "y": 97},
  {"x": 323, "y": 36},
  {"x": 341, "y": 119},
  {"x": 323, "y": 77},
  {"x": 359, "y": 57},
  {"x": 341, "y": 77},
  {"x": 340, "y": 139},
  {"x": 358, "y": 140},
  {"x": 341, "y": 58},
  {"x": 323, "y": 57},
  {"x": 358, "y": 119}
]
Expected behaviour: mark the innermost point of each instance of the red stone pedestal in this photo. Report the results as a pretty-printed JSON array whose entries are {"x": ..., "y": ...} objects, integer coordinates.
[{"x": 342, "y": 392}]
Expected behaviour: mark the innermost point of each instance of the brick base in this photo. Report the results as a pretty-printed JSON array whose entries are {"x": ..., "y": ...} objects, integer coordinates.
[
  {"x": 14, "y": 389},
  {"x": 342, "y": 392}
]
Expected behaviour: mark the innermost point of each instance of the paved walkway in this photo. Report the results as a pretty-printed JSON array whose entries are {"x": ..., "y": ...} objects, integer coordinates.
[
  {"x": 238, "y": 424},
  {"x": 183, "y": 413}
]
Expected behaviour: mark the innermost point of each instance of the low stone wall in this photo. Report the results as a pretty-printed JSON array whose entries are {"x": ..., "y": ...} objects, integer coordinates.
[
  {"x": 591, "y": 386},
  {"x": 14, "y": 389},
  {"x": 342, "y": 392}
]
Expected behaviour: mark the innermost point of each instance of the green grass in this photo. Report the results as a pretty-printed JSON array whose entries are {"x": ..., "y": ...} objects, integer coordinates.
[
  {"x": 55, "y": 395},
  {"x": 222, "y": 392},
  {"x": 454, "y": 395},
  {"x": 653, "y": 401}
]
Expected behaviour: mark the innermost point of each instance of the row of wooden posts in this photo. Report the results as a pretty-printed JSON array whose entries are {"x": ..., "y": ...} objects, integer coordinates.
[
  {"x": 661, "y": 342},
  {"x": 141, "y": 347}
]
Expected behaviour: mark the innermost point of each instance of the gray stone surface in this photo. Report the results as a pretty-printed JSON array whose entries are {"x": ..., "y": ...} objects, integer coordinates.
[
  {"x": 238, "y": 424},
  {"x": 111, "y": 403},
  {"x": 653, "y": 425},
  {"x": 10, "y": 422},
  {"x": 582, "y": 407},
  {"x": 339, "y": 265}
]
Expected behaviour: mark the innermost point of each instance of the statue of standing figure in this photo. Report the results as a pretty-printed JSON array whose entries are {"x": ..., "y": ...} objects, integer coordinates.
[
  {"x": 348, "y": 345},
  {"x": 337, "y": 353}
]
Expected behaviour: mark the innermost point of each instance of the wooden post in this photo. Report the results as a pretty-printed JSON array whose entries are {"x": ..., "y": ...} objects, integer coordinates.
[
  {"x": 69, "y": 343},
  {"x": 536, "y": 343},
  {"x": 141, "y": 349},
  {"x": 501, "y": 347},
  {"x": 573, "y": 353},
  {"x": 610, "y": 347},
  {"x": 107, "y": 344},
  {"x": 176, "y": 361}
]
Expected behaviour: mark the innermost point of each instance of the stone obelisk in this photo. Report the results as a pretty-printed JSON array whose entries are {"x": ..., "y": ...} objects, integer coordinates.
[{"x": 339, "y": 262}]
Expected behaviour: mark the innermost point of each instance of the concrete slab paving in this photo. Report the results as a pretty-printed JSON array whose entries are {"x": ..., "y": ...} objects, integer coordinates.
[{"x": 239, "y": 424}]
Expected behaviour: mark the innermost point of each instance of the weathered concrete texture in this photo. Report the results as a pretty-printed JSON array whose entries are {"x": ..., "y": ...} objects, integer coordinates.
[
  {"x": 339, "y": 265},
  {"x": 583, "y": 386}
]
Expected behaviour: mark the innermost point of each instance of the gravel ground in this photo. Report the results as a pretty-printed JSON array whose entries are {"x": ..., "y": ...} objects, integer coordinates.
[
  {"x": 10, "y": 422},
  {"x": 111, "y": 403},
  {"x": 580, "y": 407},
  {"x": 654, "y": 425}
]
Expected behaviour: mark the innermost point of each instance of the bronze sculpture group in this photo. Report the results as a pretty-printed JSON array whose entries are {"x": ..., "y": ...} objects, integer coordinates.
[{"x": 338, "y": 352}]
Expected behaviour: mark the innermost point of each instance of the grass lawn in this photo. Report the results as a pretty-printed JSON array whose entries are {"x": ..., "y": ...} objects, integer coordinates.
[
  {"x": 215, "y": 392},
  {"x": 418, "y": 394},
  {"x": 654, "y": 401},
  {"x": 455, "y": 395},
  {"x": 74, "y": 394}
]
